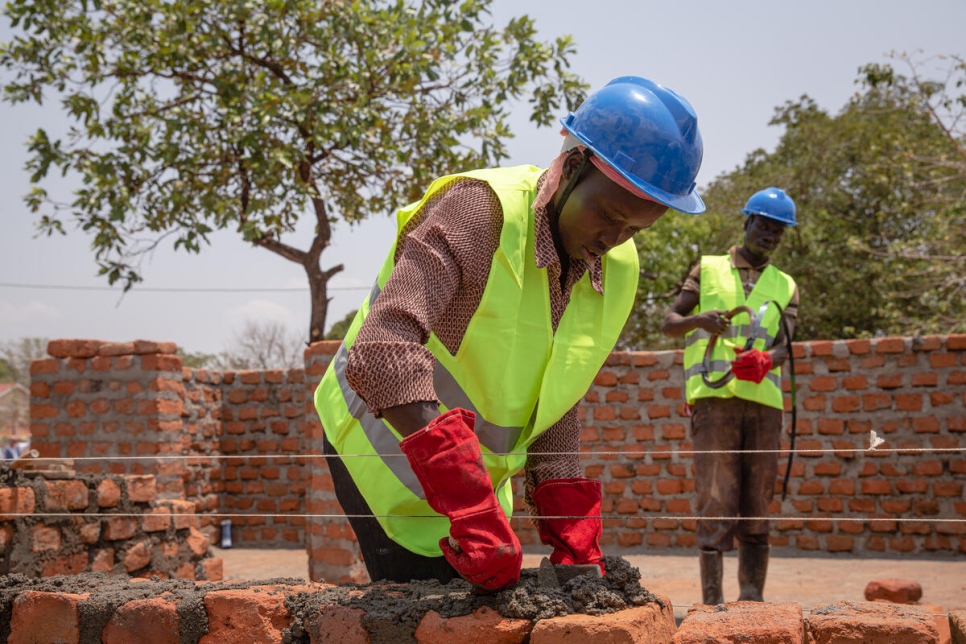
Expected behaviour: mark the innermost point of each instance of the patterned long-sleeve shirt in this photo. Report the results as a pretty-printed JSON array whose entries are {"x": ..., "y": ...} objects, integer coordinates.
[{"x": 442, "y": 266}]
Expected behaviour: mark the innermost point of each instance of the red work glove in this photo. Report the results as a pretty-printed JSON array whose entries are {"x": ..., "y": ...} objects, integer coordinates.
[
  {"x": 577, "y": 540},
  {"x": 445, "y": 456},
  {"x": 751, "y": 365}
]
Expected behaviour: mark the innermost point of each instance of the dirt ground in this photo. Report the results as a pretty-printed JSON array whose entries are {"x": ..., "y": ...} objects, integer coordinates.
[{"x": 809, "y": 581}]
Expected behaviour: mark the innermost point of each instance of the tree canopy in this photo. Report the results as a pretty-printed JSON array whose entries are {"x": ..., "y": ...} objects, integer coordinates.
[
  {"x": 880, "y": 190},
  {"x": 197, "y": 115}
]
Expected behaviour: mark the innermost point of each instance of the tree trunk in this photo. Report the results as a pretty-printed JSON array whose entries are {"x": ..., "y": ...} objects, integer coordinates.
[{"x": 318, "y": 287}]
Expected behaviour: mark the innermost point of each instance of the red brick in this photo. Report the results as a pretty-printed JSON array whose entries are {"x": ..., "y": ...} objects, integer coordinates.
[
  {"x": 890, "y": 345},
  {"x": 947, "y": 488},
  {"x": 45, "y": 617},
  {"x": 141, "y": 488},
  {"x": 119, "y": 528},
  {"x": 16, "y": 500},
  {"x": 872, "y": 402},
  {"x": 155, "y": 620},
  {"x": 943, "y": 360},
  {"x": 152, "y": 347},
  {"x": 823, "y": 383},
  {"x": 820, "y": 348},
  {"x": 842, "y": 486},
  {"x": 876, "y": 621},
  {"x": 482, "y": 626},
  {"x": 73, "y": 564},
  {"x": 843, "y": 404},
  {"x": 774, "y": 622},
  {"x": 73, "y": 348},
  {"x": 161, "y": 362},
  {"x": 839, "y": 543},
  {"x": 853, "y": 383},
  {"x": 925, "y": 379},
  {"x": 859, "y": 347},
  {"x": 66, "y": 496},
  {"x": 891, "y": 381},
  {"x": 814, "y": 403},
  {"x": 45, "y": 365},
  {"x": 647, "y": 624},
  {"x": 245, "y": 616},
  {"x": 876, "y": 486}
]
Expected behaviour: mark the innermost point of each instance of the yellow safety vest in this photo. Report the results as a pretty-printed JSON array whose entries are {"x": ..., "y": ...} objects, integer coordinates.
[
  {"x": 511, "y": 369},
  {"x": 721, "y": 289}
]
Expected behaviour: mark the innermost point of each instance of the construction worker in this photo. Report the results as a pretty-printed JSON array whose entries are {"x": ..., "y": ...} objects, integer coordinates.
[
  {"x": 504, "y": 293},
  {"x": 741, "y": 408}
]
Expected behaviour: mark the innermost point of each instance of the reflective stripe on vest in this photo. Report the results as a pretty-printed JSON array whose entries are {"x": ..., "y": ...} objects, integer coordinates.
[
  {"x": 498, "y": 440},
  {"x": 512, "y": 369},
  {"x": 721, "y": 289}
]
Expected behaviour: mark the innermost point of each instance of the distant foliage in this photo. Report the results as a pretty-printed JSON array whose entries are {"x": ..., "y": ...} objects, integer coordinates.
[
  {"x": 16, "y": 356},
  {"x": 194, "y": 116},
  {"x": 881, "y": 193}
]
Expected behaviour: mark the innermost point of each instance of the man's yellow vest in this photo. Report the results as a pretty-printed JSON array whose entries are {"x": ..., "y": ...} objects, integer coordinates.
[
  {"x": 721, "y": 289},
  {"x": 512, "y": 369}
]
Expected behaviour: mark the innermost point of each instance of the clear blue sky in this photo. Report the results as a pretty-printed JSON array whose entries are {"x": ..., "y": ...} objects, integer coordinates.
[{"x": 734, "y": 61}]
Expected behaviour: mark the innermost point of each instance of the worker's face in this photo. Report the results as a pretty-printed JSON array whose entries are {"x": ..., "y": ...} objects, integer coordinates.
[
  {"x": 599, "y": 214},
  {"x": 762, "y": 235}
]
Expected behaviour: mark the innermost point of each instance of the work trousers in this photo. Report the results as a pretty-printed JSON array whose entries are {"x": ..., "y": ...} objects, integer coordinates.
[
  {"x": 734, "y": 485},
  {"x": 384, "y": 558}
]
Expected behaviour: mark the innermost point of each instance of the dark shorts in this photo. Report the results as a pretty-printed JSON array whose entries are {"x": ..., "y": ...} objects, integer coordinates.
[{"x": 734, "y": 485}]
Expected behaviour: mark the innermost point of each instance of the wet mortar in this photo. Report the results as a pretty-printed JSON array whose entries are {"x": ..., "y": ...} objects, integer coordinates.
[{"x": 392, "y": 611}]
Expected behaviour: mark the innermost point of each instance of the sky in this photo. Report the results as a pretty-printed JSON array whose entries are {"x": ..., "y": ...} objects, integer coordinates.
[{"x": 734, "y": 61}]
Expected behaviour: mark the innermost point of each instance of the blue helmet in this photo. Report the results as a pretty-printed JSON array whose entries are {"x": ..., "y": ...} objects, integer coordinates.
[
  {"x": 649, "y": 134},
  {"x": 772, "y": 203}
]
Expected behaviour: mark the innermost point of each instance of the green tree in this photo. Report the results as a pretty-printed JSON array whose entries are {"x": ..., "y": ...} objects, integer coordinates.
[
  {"x": 198, "y": 115},
  {"x": 338, "y": 330},
  {"x": 16, "y": 356},
  {"x": 881, "y": 195}
]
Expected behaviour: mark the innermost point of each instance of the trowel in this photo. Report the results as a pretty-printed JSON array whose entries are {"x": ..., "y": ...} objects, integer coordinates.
[{"x": 551, "y": 575}]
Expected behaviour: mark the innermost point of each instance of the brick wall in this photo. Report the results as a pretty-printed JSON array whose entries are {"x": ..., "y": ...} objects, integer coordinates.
[
  {"x": 94, "y": 400},
  {"x": 124, "y": 399},
  {"x": 636, "y": 440},
  {"x": 912, "y": 392},
  {"x": 262, "y": 415},
  {"x": 107, "y": 523}
]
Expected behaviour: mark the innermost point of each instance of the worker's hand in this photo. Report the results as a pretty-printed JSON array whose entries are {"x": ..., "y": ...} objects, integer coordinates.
[
  {"x": 751, "y": 365},
  {"x": 446, "y": 459},
  {"x": 576, "y": 540},
  {"x": 483, "y": 549},
  {"x": 714, "y": 322}
]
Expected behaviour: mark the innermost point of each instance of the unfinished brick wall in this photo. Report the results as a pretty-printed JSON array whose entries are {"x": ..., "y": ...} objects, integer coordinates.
[
  {"x": 262, "y": 438},
  {"x": 95, "y": 399},
  {"x": 279, "y": 612},
  {"x": 108, "y": 523},
  {"x": 636, "y": 440},
  {"x": 124, "y": 399},
  {"x": 912, "y": 392}
]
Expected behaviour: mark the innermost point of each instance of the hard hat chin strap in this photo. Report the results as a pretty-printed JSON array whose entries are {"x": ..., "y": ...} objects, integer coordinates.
[{"x": 572, "y": 182}]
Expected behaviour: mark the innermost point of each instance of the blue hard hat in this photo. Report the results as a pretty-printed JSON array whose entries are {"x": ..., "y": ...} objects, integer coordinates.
[
  {"x": 649, "y": 134},
  {"x": 772, "y": 203}
]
